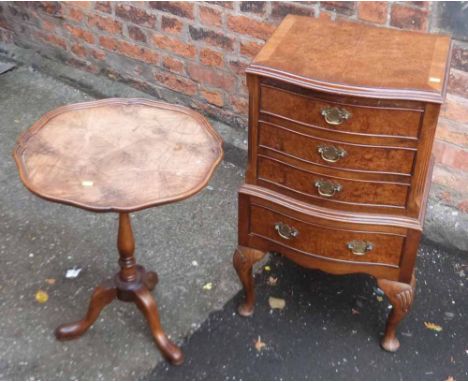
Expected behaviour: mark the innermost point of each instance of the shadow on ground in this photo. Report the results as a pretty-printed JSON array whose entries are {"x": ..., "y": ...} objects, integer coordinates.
[{"x": 317, "y": 336}]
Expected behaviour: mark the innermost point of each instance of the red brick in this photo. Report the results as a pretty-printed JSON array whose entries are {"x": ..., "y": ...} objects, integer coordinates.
[
  {"x": 173, "y": 65},
  {"x": 177, "y": 83},
  {"x": 80, "y": 33},
  {"x": 250, "y": 48},
  {"x": 373, "y": 11},
  {"x": 460, "y": 57},
  {"x": 257, "y": 7},
  {"x": 213, "y": 97},
  {"x": 98, "y": 54},
  {"x": 74, "y": 14},
  {"x": 247, "y": 26},
  {"x": 52, "y": 39},
  {"x": 455, "y": 180},
  {"x": 211, "y": 37},
  {"x": 280, "y": 9},
  {"x": 452, "y": 132},
  {"x": 135, "y": 15},
  {"x": 171, "y": 24},
  {"x": 210, "y": 77},
  {"x": 211, "y": 58},
  {"x": 240, "y": 105},
  {"x": 178, "y": 8},
  {"x": 48, "y": 26},
  {"x": 238, "y": 67},
  {"x": 79, "y": 50},
  {"x": 458, "y": 82},
  {"x": 136, "y": 33},
  {"x": 456, "y": 109},
  {"x": 107, "y": 24},
  {"x": 343, "y": 7},
  {"x": 53, "y": 8},
  {"x": 130, "y": 50},
  {"x": 224, "y": 4},
  {"x": 176, "y": 46},
  {"x": 80, "y": 4},
  {"x": 463, "y": 206},
  {"x": 103, "y": 6},
  {"x": 451, "y": 155},
  {"x": 409, "y": 18},
  {"x": 210, "y": 16}
]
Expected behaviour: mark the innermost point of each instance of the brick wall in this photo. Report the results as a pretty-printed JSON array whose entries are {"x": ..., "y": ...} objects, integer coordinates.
[{"x": 196, "y": 53}]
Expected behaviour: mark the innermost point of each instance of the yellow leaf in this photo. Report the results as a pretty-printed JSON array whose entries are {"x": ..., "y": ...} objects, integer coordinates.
[
  {"x": 208, "y": 286},
  {"x": 379, "y": 298},
  {"x": 267, "y": 268},
  {"x": 41, "y": 296},
  {"x": 276, "y": 303},
  {"x": 432, "y": 326},
  {"x": 259, "y": 344},
  {"x": 51, "y": 281}
]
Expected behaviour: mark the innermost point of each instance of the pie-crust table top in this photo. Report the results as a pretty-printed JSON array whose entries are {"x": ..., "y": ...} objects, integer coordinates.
[{"x": 118, "y": 154}]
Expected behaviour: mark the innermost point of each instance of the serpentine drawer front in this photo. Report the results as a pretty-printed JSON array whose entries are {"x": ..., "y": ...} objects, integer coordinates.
[{"x": 339, "y": 163}]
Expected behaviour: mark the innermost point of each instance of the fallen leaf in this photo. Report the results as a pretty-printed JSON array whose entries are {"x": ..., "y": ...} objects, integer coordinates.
[
  {"x": 267, "y": 268},
  {"x": 208, "y": 286},
  {"x": 272, "y": 281},
  {"x": 379, "y": 298},
  {"x": 72, "y": 273},
  {"x": 355, "y": 311},
  {"x": 51, "y": 281},
  {"x": 259, "y": 344},
  {"x": 41, "y": 296},
  {"x": 432, "y": 326},
  {"x": 276, "y": 303}
]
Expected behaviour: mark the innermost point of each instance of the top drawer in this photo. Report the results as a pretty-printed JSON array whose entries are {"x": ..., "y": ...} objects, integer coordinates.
[{"x": 357, "y": 119}]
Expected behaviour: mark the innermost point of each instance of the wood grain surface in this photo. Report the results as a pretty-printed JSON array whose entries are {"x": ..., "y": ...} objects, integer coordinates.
[
  {"x": 349, "y": 58},
  {"x": 118, "y": 154}
]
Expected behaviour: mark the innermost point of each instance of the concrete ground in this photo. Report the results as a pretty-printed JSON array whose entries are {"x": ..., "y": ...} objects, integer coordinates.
[
  {"x": 330, "y": 327},
  {"x": 189, "y": 244}
]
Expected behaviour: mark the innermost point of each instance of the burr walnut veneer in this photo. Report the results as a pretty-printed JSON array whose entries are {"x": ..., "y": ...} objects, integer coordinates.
[
  {"x": 342, "y": 119},
  {"x": 119, "y": 155}
]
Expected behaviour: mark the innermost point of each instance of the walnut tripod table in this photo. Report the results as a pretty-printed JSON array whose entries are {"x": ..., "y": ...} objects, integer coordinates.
[{"x": 119, "y": 155}]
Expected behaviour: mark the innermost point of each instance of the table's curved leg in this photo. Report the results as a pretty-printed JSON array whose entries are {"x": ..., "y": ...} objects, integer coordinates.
[
  {"x": 147, "y": 304},
  {"x": 102, "y": 296}
]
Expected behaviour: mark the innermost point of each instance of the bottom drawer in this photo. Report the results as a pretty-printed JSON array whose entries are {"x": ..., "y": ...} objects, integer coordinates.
[{"x": 345, "y": 245}]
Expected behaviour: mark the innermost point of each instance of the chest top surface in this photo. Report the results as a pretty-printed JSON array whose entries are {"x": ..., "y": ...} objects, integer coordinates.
[
  {"x": 351, "y": 58},
  {"x": 118, "y": 154}
]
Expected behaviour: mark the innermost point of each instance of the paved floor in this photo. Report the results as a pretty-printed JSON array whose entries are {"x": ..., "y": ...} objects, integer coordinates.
[
  {"x": 189, "y": 243},
  {"x": 317, "y": 336}
]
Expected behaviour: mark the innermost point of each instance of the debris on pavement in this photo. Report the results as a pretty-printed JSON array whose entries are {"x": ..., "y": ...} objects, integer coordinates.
[
  {"x": 72, "y": 273},
  {"x": 51, "y": 281},
  {"x": 272, "y": 281},
  {"x": 208, "y": 286},
  {"x": 259, "y": 344},
  {"x": 276, "y": 303},
  {"x": 41, "y": 296},
  {"x": 432, "y": 326}
]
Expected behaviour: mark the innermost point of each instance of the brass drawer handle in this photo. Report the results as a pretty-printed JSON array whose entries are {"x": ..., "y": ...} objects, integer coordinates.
[
  {"x": 327, "y": 188},
  {"x": 335, "y": 116},
  {"x": 331, "y": 153},
  {"x": 285, "y": 231},
  {"x": 360, "y": 247}
]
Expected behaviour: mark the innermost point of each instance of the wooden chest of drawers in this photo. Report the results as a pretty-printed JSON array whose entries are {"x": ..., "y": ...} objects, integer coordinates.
[{"x": 342, "y": 119}]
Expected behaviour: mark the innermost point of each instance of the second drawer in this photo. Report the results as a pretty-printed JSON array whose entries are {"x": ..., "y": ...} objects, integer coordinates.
[{"x": 336, "y": 154}]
